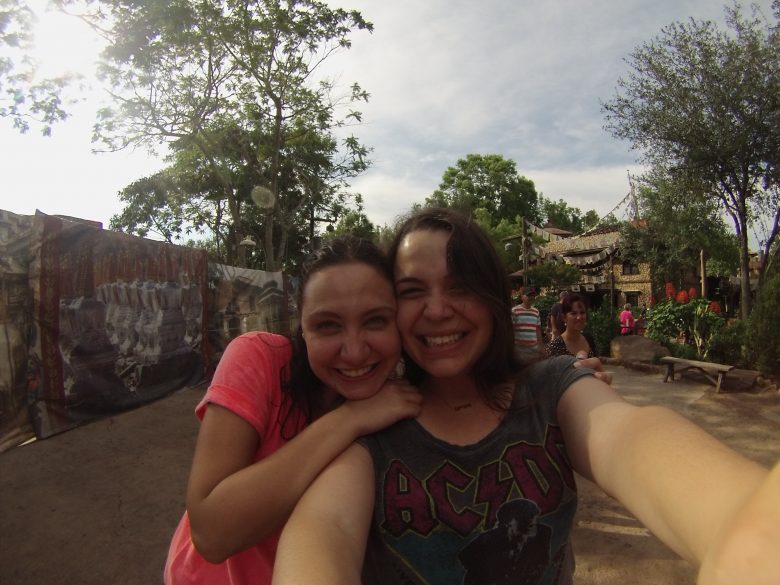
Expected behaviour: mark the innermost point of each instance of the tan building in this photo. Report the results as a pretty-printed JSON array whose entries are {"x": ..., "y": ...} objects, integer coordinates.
[{"x": 602, "y": 271}]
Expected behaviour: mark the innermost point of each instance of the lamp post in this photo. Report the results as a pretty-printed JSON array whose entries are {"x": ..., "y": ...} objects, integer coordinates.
[{"x": 244, "y": 246}]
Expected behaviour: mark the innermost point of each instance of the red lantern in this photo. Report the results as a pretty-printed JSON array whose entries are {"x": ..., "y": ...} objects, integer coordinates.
[
  {"x": 670, "y": 292},
  {"x": 682, "y": 297},
  {"x": 692, "y": 293},
  {"x": 715, "y": 307}
]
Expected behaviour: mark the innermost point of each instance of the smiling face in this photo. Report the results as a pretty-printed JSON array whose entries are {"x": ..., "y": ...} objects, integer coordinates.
[
  {"x": 348, "y": 321},
  {"x": 577, "y": 317},
  {"x": 445, "y": 328}
]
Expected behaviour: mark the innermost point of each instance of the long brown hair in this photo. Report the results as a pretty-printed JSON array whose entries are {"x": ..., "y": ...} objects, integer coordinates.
[{"x": 472, "y": 257}]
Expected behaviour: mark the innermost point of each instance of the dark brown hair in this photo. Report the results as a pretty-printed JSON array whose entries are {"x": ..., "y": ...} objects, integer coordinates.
[
  {"x": 567, "y": 304},
  {"x": 302, "y": 389},
  {"x": 472, "y": 257}
]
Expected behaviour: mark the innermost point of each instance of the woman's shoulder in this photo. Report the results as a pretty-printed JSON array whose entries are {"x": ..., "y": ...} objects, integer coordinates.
[
  {"x": 261, "y": 340},
  {"x": 545, "y": 381},
  {"x": 258, "y": 345}
]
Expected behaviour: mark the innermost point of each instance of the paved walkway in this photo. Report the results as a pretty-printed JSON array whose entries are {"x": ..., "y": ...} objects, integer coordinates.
[{"x": 98, "y": 504}]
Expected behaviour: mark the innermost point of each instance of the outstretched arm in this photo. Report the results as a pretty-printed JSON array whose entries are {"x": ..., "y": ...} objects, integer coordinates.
[
  {"x": 683, "y": 484},
  {"x": 324, "y": 541},
  {"x": 233, "y": 502}
]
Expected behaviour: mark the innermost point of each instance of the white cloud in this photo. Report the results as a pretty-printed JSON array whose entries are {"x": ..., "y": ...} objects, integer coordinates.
[
  {"x": 521, "y": 78},
  {"x": 598, "y": 188}
]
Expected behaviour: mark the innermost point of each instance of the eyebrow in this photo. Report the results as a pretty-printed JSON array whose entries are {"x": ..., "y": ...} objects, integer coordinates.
[
  {"x": 325, "y": 313},
  {"x": 408, "y": 279}
]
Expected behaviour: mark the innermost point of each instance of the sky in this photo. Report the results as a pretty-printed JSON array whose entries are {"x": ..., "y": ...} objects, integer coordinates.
[{"x": 520, "y": 78}]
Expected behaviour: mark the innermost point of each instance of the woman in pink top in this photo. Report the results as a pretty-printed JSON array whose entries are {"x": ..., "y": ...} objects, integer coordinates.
[
  {"x": 626, "y": 320},
  {"x": 278, "y": 411}
]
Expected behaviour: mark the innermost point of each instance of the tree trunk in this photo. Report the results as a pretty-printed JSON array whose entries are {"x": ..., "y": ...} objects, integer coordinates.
[
  {"x": 744, "y": 269},
  {"x": 270, "y": 255}
]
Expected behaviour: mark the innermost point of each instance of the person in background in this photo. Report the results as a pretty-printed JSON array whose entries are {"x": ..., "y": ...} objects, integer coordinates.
[
  {"x": 480, "y": 489},
  {"x": 626, "y": 320},
  {"x": 573, "y": 341},
  {"x": 527, "y": 327},
  {"x": 278, "y": 411},
  {"x": 556, "y": 322}
]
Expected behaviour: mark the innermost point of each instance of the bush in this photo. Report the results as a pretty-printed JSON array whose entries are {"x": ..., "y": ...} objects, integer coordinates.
[
  {"x": 692, "y": 321},
  {"x": 666, "y": 322},
  {"x": 683, "y": 350},
  {"x": 543, "y": 305},
  {"x": 726, "y": 345},
  {"x": 763, "y": 338},
  {"x": 603, "y": 326}
]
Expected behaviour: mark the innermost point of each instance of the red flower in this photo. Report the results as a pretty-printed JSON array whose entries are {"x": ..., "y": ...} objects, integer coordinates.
[{"x": 670, "y": 291}]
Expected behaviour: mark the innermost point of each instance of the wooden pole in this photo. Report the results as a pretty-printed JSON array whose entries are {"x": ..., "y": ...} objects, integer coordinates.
[
  {"x": 525, "y": 252},
  {"x": 703, "y": 275},
  {"x": 612, "y": 280}
]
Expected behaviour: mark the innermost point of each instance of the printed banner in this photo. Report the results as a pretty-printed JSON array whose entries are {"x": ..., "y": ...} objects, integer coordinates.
[
  {"x": 120, "y": 321},
  {"x": 16, "y": 328}
]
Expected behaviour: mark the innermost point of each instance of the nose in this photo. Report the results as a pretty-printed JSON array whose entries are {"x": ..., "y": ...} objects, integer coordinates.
[
  {"x": 354, "y": 349},
  {"x": 438, "y": 306}
]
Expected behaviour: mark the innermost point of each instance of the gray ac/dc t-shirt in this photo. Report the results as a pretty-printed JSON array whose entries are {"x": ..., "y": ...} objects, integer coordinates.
[{"x": 499, "y": 511}]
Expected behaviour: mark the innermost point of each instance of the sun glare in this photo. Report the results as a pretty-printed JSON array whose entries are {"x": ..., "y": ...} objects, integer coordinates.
[{"x": 63, "y": 44}]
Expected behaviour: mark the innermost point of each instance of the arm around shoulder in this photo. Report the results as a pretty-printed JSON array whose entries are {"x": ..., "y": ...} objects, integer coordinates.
[{"x": 324, "y": 541}]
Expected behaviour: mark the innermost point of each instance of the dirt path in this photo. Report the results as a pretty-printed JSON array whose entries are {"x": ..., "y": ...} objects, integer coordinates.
[{"x": 98, "y": 504}]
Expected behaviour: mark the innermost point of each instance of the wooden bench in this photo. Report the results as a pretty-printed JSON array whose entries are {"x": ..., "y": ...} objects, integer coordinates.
[{"x": 709, "y": 369}]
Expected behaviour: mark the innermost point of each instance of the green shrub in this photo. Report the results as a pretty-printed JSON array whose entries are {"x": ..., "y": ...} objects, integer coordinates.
[
  {"x": 726, "y": 346},
  {"x": 603, "y": 326},
  {"x": 764, "y": 328},
  {"x": 683, "y": 350},
  {"x": 665, "y": 322},
  {"x": 692, "y": 321}
]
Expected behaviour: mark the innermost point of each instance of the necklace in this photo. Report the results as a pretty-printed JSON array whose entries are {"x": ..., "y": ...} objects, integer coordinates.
[{"x": 457, "y": 407}]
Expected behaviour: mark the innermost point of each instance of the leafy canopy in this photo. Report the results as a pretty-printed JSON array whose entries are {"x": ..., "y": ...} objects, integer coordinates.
[
  {"x": 237, "y": 86},
  {"x": 677, "y": 223},
  {"x": 488, "y": 182},
  {"x": 702, "y": 104},
  {"x": 25, "y": 98}
]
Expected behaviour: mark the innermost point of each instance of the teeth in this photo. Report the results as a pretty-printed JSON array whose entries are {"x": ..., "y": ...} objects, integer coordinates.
[
  {"x": 356, "y": 373},
  {"x": 443, "y": 340}
]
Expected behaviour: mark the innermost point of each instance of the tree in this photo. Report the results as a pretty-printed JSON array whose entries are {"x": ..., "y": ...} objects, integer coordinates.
[
  {"x": 23, "y": 97},
  {"x": 559, "y": 214},
  {"x": 487, "y": 182},
  {"x": 703, "y": 104},
  {"x": 202, "y": 75},
  {"x": 553, "y": 275},
  {"x": 677, "y": 222},
  {"x": 355, "y": 222}
]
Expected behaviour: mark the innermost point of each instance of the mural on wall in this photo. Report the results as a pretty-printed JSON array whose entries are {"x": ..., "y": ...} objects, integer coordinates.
[
  {"x": 94, "y": 322},
  {"x": 16, "y": 328},
  {"x": 241, "y": 300},
  {"x": 119, "y": 320}
]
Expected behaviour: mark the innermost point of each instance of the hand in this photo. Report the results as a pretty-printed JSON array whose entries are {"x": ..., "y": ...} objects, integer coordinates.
[
  {"x": 396, "y": 400},
  {"x": 746, "y": 551},
  {"x": 595, "y": 364}
]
